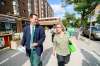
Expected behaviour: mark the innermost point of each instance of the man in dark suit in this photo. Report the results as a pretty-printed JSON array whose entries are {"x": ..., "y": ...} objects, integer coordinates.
[{"x": 33, "y": 38}]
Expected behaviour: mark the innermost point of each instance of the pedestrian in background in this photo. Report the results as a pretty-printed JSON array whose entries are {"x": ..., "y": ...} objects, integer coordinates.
[
  {"x": 70, "y": 31},
  {"x": 60, "y": 48},
  {"x": 79, "y": 32},
  {"x": 53, "y": 31},
  {"x": 33, "y": 38}
]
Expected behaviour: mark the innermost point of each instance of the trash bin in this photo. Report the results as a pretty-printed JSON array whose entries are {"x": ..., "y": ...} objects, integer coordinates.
[{"x": 7, "y": 40}]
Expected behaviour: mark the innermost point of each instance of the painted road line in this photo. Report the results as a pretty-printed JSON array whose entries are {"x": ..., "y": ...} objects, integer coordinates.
[
  {"x": 15, "y": 54},
  {"x": 92, "y": 53},
  {"x": 5, "y": 60},
  {"x": 94, "y": 46}
]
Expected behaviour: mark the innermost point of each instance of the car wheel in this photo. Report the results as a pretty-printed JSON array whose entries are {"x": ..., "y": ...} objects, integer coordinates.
[
  {"x": 83, "y": 34},
  {"x": 92, "y": 37}
]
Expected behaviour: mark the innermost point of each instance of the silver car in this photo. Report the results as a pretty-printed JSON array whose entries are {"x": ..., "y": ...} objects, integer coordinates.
[{"x": 92, "y": 32}]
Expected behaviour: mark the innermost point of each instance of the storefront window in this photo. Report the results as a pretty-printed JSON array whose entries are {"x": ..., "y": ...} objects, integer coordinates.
[
  {"x": 2, "y": 26},
  {"x": 7, "y": 26},
  {"x": 13, "y": 27}
]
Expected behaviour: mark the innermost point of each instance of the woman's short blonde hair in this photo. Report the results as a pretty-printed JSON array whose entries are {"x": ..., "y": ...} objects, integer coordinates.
[{"x": 62, "y": 26}]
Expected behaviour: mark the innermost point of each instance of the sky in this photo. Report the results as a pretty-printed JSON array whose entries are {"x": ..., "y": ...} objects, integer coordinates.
[{"x": 59, "y": 10}]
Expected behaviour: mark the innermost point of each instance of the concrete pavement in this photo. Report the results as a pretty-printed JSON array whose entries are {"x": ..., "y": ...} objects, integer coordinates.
[
  {"x": 84, "y": 56},
  {"x": 49, "y": 59}
]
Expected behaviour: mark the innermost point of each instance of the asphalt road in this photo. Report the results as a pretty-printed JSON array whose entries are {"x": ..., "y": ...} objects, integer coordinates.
[{"x": 10, "y": 57}]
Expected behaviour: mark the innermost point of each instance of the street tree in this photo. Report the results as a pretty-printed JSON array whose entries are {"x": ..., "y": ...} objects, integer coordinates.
[
  {"x": 98, "y": 19},
  {"x": 77, "y": 23},
  {"x": 83, "y": 7},
  {"x": 68, "y": 19}
]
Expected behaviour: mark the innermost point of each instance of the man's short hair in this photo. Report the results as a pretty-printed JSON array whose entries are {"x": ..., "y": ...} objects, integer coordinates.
[{"x": 31, "y": 15}]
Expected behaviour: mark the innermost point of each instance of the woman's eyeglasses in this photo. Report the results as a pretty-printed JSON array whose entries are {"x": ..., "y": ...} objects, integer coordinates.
[{"x": 58, "y": 27}]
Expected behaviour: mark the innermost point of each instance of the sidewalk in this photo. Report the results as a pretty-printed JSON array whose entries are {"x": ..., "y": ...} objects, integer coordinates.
[
  {"x": 76, "y": 57},
  {"x": 48, "y": 59}
]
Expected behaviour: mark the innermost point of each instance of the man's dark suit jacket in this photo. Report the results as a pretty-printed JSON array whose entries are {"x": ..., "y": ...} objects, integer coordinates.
[{"x": 39, "y": 37}]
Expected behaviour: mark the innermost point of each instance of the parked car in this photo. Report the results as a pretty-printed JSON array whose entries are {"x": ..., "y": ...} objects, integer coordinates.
[{"x": 91, "y": 32}]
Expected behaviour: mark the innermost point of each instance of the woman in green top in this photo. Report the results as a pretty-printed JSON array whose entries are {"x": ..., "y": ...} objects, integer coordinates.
[{"x": 61, "y": 45}]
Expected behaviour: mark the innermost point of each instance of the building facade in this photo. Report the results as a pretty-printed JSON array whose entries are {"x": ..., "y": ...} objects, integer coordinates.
[
  {"x": 6, "y": 7},
  {"x": 49, "y": 11},
  {"x": 41, "y": 8},
  {"x": 15, "y": 7},
  {"x": 24, "y": 8}
]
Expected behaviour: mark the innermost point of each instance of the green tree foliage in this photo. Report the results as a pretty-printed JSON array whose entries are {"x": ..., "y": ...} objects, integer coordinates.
[
  {"x": 65, "y": 23},
  {"x": 68, "y": 18},
  {"x": 98, "y": 19},
  {"x": 77, "y": 23},
  {"x": 84, "y": 7}
]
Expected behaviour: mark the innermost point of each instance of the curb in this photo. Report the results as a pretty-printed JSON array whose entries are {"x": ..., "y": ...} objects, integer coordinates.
[
  {"x": 4, "y": 48},
  {"x": 86, "y": 40}
]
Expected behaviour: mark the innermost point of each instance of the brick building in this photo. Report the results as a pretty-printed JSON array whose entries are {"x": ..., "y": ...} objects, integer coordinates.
[
  {"x": 6, "y": 7},
  {"x": 24, "y": 7},
  {"x": 49, "y": 11}
]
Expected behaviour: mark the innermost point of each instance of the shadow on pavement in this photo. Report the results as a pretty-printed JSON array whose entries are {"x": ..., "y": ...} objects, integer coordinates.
[
  {"x": 85, "y": 63},
  {"x": 46, "y": 56},
  {"x": 90, "y": 59}
]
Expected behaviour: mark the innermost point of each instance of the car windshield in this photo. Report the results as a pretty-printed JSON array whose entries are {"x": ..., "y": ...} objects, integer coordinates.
[
  {"x": 95, "y": 29},
  {"x": 98, "y": 29}
]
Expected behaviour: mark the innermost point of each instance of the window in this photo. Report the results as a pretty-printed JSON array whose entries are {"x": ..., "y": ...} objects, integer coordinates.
[
  {"x": 2, "y": 26},
  {"x": 7, "y": 26},
  {"x": 23, "y": 11},
  {"x": 23, "y": 3},
  {"x": 13, "y": 26}
]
